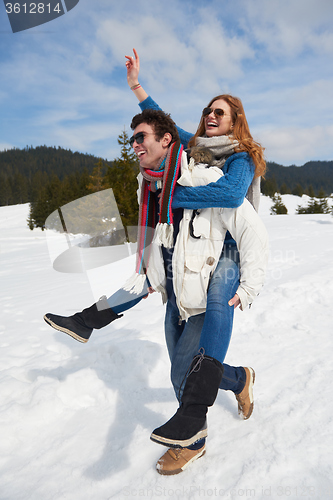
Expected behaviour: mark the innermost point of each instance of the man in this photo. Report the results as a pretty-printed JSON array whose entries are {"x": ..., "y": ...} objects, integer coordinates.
[{"x": 155, "y": 141}]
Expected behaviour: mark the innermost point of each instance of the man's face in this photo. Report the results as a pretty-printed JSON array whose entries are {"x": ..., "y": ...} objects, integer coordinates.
[{"x": 151, "y": 151}]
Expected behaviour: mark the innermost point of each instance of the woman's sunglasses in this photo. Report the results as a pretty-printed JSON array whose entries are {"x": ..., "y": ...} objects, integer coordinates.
[{"x": 218, "y": 112}]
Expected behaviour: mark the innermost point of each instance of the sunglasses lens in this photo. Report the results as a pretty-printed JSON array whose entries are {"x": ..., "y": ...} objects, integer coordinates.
[
  {"x": 219, "y": 112},
  {"x": 206, "y": 111},
  {"x": 139, "y": 138}
]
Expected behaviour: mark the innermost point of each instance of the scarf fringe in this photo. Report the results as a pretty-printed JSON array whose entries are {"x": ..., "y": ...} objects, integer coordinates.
[
  {"x": 135, "y": 283},
  {"x": 164, "y": 235}
]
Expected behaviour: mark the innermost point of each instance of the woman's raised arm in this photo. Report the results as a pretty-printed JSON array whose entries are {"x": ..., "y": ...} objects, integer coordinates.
[
  {"x": 133, "y": 69},
  {"x": 145, "y": 101}
]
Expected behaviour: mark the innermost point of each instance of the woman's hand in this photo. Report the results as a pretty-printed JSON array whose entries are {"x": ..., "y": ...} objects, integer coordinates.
[
  {"x": 133, "y": 68},
  {"x": 235, "y": 301}
]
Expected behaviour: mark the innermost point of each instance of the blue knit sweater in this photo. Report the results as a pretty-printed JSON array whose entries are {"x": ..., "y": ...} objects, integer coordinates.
[{"x": 228, "y": 192}]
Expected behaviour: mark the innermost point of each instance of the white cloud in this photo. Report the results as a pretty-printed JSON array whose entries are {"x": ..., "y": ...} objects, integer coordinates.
[
  {"x": 166, "y": 58},
  {"x": 70, "y": 88},
  {"x": 296, "y": 145},
  {"x": 88, "y": 138},
  {"x": 199, "y": 56},
  {"x": 286, "y": 28}
]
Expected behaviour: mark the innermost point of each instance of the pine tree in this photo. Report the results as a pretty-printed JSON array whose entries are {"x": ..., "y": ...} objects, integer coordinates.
[
  {"x": 284, "y": 189},
  {"x": 298, "y": 190},
  {"x": 269, "y": 187},
  {"x": 310, "y": 191},
  {"x": 315, "y": 207},
  {"x": 82, "y": 182},
  {"x": 321, "y": 193},
  {"x": 324, "y": 206},
  {"x": 20, "y": 188},
  {"x": 38, "y": 182},
  {"x": 96, "y": 179},
  {"x": 6, "y": 194},
  {"x": 39, "y": 210},
  {"x": 278, "y": 208}
]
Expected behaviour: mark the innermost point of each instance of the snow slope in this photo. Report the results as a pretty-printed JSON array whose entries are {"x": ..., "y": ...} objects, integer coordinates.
[{"x": 75, "y": 419}]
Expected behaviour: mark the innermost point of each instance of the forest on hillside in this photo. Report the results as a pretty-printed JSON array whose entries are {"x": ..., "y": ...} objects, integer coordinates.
[
  {"x": 314, "y": 178},
  {"x": 24, "y": 172},
  {"x": 50, "y": 177}
]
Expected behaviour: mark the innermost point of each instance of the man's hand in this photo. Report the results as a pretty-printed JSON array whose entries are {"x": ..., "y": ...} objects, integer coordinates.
[
  {"x": 133, "y": 68},
  {"x": 150, "y": 290},
  {"x": 235, "y": 301}
]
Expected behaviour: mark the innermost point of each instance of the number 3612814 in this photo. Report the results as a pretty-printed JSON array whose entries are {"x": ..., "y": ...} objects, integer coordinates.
[{"x": 32, "y": 8}]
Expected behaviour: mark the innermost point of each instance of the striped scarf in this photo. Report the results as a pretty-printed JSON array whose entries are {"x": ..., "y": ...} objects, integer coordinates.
[{"x": 164, "y": 178}]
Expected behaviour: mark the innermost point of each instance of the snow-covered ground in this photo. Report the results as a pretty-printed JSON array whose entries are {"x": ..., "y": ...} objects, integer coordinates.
[{"x": 75, "y": 419}]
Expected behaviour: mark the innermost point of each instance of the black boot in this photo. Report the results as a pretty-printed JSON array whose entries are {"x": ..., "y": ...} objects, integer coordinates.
[
  {"x": 80, "y": 325},
  {"x": 188, "y": 425}
]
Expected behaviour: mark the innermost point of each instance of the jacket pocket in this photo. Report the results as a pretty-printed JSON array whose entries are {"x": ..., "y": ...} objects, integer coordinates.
[{"x": 197, "y": 272}]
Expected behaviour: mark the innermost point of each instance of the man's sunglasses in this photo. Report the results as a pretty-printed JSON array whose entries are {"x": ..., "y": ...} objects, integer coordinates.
[
  {"x": 138, "y": 138},
  {"x": 218, "y": 112}
]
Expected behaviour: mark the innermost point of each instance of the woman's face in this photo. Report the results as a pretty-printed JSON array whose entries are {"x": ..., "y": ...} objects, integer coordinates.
[{"x": 218, "y": 125}]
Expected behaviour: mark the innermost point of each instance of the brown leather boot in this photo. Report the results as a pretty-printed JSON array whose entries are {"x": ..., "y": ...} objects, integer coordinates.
[
  {"x": 245, "y": 398},
  {"x": 175, "y": 460}
]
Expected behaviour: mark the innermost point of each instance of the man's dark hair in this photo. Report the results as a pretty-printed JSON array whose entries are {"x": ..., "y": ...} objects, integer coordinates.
[{"x": 161, "y": 122}]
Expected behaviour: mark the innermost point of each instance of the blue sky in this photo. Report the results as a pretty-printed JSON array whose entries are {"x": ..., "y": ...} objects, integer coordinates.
[{"x": 64, "y": 83}]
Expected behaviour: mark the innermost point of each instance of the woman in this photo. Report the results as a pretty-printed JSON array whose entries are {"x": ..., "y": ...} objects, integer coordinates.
[{"x": 211, "y": 332}]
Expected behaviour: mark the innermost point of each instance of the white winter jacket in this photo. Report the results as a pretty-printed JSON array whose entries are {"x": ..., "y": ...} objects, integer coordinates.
[{"x": 195, "y": 259}]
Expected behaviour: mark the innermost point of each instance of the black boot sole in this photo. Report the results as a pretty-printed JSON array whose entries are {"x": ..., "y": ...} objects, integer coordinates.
[
  {"x": 178, "y": 443},
  {"x": 65, "y": 330}
]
